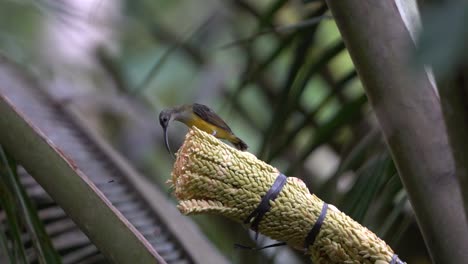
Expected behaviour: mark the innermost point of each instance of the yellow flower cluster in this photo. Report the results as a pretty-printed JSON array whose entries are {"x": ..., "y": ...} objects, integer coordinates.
[{"x": 212, "y": 177}]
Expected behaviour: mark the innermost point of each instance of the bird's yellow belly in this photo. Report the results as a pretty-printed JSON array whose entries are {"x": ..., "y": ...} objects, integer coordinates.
[{"x": 209, "y": 128}]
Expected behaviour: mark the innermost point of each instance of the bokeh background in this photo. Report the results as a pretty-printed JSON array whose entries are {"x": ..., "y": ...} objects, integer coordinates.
[{"x": 277, "y": 71}]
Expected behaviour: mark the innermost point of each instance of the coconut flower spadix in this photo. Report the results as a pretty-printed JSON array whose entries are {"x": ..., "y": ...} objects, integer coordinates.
[{"x": 212, "y": 177}]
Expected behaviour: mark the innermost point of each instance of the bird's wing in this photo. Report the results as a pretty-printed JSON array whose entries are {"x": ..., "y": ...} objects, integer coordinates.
[{"x": 210, "y": 116}]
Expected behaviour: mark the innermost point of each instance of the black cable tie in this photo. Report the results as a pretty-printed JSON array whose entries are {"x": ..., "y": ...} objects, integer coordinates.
[
  {"x": 279, "y": 244},
  {"x": 396, "y": 260},
  {"x": 310, "y": 238},
  {"x": 264, "y": 205}
]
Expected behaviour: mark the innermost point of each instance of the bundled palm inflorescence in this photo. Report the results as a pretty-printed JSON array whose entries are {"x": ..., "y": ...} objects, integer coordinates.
[{"x": 212, "y": 177}]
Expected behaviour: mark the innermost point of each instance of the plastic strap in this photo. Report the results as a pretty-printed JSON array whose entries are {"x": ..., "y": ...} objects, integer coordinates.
[
  {"x": 279, "y": 244},
  {"x": 264, "y": 205},
  {"x": 310, "y": 239}
]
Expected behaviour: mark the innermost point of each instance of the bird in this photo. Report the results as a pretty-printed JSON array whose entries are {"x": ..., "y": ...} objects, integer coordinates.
[{"x": 202, "y": 117}]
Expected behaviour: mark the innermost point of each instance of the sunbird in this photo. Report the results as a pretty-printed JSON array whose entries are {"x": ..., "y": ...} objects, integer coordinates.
[{"x": 202, "y": 117}]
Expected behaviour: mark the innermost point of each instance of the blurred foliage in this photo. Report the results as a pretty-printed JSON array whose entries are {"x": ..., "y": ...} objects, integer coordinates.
[
  {"x": 289, "y": 91},
  {"x": 21, "y": 216},
  {"x": 445, "y": 36}
]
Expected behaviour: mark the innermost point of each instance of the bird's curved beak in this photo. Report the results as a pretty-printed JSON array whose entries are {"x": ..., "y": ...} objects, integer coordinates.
[{"x": 166, "y": 141}]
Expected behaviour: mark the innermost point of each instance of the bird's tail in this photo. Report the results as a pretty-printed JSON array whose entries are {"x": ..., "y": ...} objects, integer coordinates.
[{"x": 239, "y": 144}]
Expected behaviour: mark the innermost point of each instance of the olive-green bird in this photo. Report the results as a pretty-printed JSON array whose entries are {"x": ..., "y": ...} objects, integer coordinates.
[{"x": 203, "y": 118}]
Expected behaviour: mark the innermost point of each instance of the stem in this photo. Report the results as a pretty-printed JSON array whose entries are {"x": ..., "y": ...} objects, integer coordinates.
[{"x": 409, "y": 114}]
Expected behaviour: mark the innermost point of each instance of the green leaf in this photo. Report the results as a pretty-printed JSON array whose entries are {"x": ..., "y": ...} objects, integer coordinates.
[
  {"x": 392, "y": 219},
  {"x": 13, "y": 223},
  {"x": 350, "y": 162},
  {"x": 324, "y": 133},
  {"x": 298, "y": 65},
  {"x": 156, "y": 68},
  {"x": 369, "y": 181},
  {"x": 309, "y": 118},
  {"x": 43, "y": 246},
  {"x": 5, "y": 252}
]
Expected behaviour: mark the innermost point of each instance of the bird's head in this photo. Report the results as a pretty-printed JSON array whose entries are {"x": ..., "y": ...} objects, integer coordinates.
[{"x": 164, "y": 118}]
